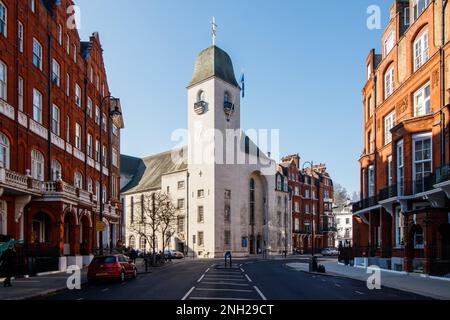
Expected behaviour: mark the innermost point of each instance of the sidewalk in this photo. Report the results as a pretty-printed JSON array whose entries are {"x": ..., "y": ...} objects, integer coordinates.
[
  {"x": 415, "y": 283},
  {"x": 27, "y": 288}
]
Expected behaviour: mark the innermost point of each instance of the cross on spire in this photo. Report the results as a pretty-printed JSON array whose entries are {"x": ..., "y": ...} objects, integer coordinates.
[{"x": 214, "y": 30}]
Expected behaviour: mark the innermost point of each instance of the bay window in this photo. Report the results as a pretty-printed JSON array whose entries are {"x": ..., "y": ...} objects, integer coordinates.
[
  {"x": 371, "y": 181},
  {"x": 400, "y": 169},
  {"x": 37, "y": 165},
  {"x": 422, "y": 161}
]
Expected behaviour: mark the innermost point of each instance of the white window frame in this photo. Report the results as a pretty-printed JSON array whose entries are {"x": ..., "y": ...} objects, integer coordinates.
[
  {"x": 90, "y": 185},
  {"x": 78, "y": 136},
  {"x": 399, "y": 228},
  {"x": 4, "y": 20},
  {"x": 20, "y": 35},
  {"x": 78, "y": 180},
  {"x": 37, "y": 54},
  {"x": 68, "y": 44},
  {"x": 369, "y": 70},
  {"x": 97, "y": 150},
  {"x": 390, "y": 176},
  {"x": 78, "y": 94},
  {"x": 5, "y": 151},
  {"x": 4, "y": 81},
  {"x": 400, "y": 168},
  {"x": 60, "y": 34},
  {"x": 67, "y": 84},
  {"x": 75, "y": 53},
  {"x": 68, "y": 129},
  {"x": 416, "y": 10},
  {"x": 56, "y": 169},
  {"x": 97, "y": 115},
  {"x": 389, "y": 43},
  {"x": 37, "y": 165},
  {"x": 422, "y": 103},
  {"x": 89, "y": 107},
  {"x": 33, "y": 6},
  {"x": 389, "y": 82},
  {"x": 37, "y": 106},
  {"x": 56, "y": 73},
  {"x": 389, "y": 123},
  {"x": 421, "y": 50},
  {"x": 422, "y": 137},
  {"x": 56, "y": 120},
  {"x": 20, "y": 93},
  {"x": 90, "y": 146}
]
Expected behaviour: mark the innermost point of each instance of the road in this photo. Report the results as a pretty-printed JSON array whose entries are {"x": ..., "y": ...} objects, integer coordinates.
[{"x": 248, "y": 280}]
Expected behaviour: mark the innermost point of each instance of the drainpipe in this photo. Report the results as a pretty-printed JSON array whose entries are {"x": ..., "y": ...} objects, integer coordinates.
[
  {"x": 443, "y": 120},
  {"x": 49, "y": 104}
]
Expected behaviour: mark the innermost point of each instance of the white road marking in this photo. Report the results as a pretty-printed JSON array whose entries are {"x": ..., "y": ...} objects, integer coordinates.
[
  {"x": 209, "y": 298},
  {"x": 337, "y": 285},
  {"x": 358, "y": 292},
  {"x": 227, "y": 284},
  {"x": 80, "y": 299},
  {"x": 242, "y": 270},
  {"x": 323, "y": 280},
  {"x": 201, "y": 278},
  {"x": 260, "y": 293},
  {"x": 226, "y": 290},
  {"x": 224, "y": 279},
  {"x": 207, "y": 270},
  {"x": 106, "y": 289},
  {"x": 248, "y": 278},
  {"x": 187, "y": 294}
]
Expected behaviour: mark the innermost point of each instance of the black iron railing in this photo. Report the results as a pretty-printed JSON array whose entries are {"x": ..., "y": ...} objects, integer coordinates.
[
  {"x": 389, "y": 192},
  {"x": 443, "y": 174}
]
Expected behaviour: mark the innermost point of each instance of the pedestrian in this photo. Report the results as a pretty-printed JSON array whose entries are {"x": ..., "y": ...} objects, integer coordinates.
[
  {"x": 8, "y": 264},
  {"x": 133, "y": 255}
]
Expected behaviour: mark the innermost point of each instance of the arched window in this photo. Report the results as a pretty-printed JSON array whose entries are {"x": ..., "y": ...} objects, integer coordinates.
[
  {"x": 200, "y": 96},
  {"x": 389, "y": 82},
  {"x": 227, "y": 97},
  {"x": 56, "y": 170},
  {"x": 90, "y": 185},
  {"x": 143, "y": 244},
  {"x": 4, "y": 151},
  {"x": 37, "y": 165},
  {"x": 132, "y": 242},
  {"x": 78, "y": 181},
  {"x": 421, "y": 50}
]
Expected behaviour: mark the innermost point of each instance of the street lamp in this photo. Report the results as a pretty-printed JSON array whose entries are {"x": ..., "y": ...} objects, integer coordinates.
[
  {"x": 111, "y": 113},
  {"x": 311, "y": 164}
]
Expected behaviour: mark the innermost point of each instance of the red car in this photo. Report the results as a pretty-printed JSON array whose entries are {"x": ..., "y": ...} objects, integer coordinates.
[{"x": 113, "y": 267}]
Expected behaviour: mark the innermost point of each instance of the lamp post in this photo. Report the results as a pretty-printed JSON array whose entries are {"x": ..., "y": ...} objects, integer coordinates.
[
  {"x": 111, "y": 113},
  {"x": 311, "y": 164}
]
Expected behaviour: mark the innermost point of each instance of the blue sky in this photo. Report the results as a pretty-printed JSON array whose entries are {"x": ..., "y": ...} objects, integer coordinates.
[{"x": 304, "y": 65}]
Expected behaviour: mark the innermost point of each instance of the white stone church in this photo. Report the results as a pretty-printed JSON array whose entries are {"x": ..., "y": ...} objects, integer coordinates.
[{"x": 229, "y": 194}]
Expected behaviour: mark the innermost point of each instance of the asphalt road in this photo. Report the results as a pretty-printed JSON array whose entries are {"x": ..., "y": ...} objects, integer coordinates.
[{"x": 248, "y": 280}]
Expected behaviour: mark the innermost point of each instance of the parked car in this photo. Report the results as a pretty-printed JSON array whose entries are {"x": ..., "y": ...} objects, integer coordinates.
[
  {"x": 169, "y": 254},
  {"x": 113, "y": 267},
  {"x": 330, "y": 252}
]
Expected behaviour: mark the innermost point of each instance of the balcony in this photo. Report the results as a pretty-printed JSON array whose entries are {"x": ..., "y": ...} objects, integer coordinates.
[
  {"x": 7, "y": 109},
  {"x": 365, "y": 204},
  {"x": 200, "y": 107}
]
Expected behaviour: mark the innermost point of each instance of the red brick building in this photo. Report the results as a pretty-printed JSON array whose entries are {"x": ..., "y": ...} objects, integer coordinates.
[
  {"x": 52, "y": 140},
  {"x": 312, "y": 205},
  {"x": 402, "y": 221}
]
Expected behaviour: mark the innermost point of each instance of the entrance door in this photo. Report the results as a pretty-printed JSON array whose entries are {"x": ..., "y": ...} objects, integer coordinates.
[
  {"x": 252, "y": 245},
  {"x": 445, "y": 236}
]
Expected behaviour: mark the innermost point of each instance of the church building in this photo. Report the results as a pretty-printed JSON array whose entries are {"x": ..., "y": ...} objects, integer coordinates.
[{"x": 229, "y": 195}]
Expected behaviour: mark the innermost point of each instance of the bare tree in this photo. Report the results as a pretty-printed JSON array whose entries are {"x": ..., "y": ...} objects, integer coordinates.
[
  {"x": 168, "y": 217},
  {"x": 340, "y": 195},
  {"x": 153, "y": 209}
]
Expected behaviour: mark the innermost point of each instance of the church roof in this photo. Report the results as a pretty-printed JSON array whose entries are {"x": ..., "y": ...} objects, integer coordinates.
[
  {"x": 145, "y": 174},
  {"x": 213, "y": 62}
]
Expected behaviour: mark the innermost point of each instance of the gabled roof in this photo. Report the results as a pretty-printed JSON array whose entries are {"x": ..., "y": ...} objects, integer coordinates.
[{"x": 146, "y": 173}]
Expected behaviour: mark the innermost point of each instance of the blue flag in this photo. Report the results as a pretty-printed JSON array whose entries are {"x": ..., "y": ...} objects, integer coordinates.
[{"x": 243, "y": 86}]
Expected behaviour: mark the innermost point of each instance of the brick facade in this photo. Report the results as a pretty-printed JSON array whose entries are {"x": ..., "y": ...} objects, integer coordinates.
[
  {"x": 53, "y": 201},
  {"x": 312, "y": 200},
  {"x": 402, "y": 220}
]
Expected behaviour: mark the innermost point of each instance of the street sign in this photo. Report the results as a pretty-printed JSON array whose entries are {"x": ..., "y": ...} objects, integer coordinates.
[{"x": 100, "y": 226}]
